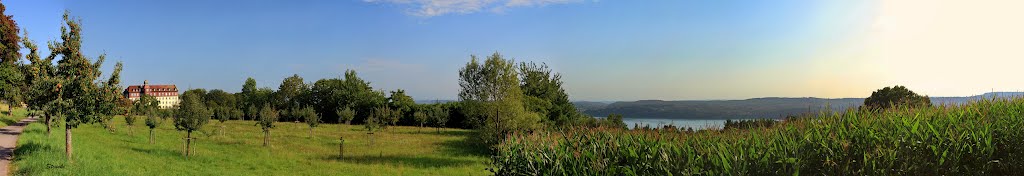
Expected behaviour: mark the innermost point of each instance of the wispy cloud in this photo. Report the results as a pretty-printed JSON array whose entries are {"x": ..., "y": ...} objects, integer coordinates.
[{"x": 431, "y": 8}]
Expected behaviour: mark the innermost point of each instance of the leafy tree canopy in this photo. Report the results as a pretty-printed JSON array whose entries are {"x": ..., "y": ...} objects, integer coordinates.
[{"x": 896, "y": 96}]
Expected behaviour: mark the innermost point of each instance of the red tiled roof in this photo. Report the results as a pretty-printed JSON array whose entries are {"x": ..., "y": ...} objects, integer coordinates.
[{"x": 152, "y": 88}]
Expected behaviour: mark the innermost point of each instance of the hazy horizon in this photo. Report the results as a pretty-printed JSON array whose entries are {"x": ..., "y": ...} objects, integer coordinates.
[{"x": 605, "y": 50}]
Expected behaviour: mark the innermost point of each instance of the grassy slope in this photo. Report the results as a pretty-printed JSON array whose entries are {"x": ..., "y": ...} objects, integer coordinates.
[
  {"x": 19, "y": 113},
  {"x": 397, "y": 151}
]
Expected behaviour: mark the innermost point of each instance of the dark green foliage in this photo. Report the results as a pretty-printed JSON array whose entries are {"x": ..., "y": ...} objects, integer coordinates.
[
  {"x": 544, "y": 94},
  {"x": 896, "y": 96},
  {"x": 613, "y": 121},
  {"x": 10, "y": 80},
  {"x": 290, "y": 95},
  {"x": 982, "y": 138},
  {"x": 438, "y": 115},
  {"x": 403, "y": 105},
  {"x": 248, "y": 100},
  {"x": 749, "y": 123},
  {"x": 192, "y": 113},
  {"x": 327, "y": 96}
]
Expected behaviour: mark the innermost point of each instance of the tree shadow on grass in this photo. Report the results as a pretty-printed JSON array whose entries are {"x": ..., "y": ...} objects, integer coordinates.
[
  {"x": 467, "y": 146},
  {"x": 8, "y": 120},
  {"x": 156, "y": 152},
  {"x": 27, "y": 149},
  {"x": 442, "y": 133},
  {"x": 424, "y": 162}
]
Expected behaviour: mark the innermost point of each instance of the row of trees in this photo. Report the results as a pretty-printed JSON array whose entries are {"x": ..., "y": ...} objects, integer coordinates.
[{"x": 71, "y": 91}]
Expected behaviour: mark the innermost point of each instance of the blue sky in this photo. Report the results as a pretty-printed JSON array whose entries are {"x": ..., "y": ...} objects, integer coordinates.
[{"x": 605, "y": 50}]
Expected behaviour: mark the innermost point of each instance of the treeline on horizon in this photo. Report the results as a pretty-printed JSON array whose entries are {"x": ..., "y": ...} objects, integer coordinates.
[{"x": 497, "y": 97}]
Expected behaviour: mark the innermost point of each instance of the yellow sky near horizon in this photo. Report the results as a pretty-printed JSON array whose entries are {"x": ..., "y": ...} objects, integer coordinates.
[{"x": 934, "y": 47}]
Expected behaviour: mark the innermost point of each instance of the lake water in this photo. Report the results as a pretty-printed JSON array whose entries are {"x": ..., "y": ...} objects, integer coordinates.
[{"x": 683, "y": 123}]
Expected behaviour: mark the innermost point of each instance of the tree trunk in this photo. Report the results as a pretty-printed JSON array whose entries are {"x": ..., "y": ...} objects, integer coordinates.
[
  {"x": 310, "y": 131},
  {"x": 188, "y": 144},
  {"x": 67, "y": 142},
  {"x": 46, "y": 118},
  {"x": 150, "y": 135},
  {"x": 266, "y": 138}
]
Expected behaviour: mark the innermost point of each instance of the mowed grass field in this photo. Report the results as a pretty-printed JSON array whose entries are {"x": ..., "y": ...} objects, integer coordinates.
[{"x": 238, "y": 150}]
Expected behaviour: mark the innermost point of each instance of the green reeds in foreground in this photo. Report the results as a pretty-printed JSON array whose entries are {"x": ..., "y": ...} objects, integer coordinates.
[{"x": 980, "y": 138}]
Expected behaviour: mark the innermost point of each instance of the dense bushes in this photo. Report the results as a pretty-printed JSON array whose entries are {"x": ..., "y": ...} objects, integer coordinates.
[
  {"x": 982, "y": 138},
  {"x": 749, "y": 123}
]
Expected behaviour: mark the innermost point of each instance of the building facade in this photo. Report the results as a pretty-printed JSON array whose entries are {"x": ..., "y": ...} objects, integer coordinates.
[{"x": 167, "y": 95}]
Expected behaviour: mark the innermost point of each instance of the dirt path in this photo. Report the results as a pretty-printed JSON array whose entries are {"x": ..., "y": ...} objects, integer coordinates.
[{"x": 8, "y": 139}]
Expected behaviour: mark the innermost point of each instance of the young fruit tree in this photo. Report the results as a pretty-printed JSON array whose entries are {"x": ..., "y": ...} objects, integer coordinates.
[
  {"x": 310, "y": 116},
  {"x": 191, "y": 115},
  {"x": 225, "y": 113},
  {"x": 374, "y": 122},
  {"x": 267, "y": 117},
  {"x": 81, "y": 97},
  {"x": 439, "y": 116},
  {"x": 420, "y": 118},
  {"x": 152, "y": 121},
  {"x": 147, "y": 106},
  {"x": 345, "y": 114}
]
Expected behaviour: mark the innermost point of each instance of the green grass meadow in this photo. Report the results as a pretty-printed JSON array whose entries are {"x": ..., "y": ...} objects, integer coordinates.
[
  {"x": 18, "y": 114},
  {"x": 238, "y": 150}
]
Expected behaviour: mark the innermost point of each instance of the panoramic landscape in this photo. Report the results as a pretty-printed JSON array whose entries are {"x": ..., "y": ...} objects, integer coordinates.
[{"x": 511, "y": 87}]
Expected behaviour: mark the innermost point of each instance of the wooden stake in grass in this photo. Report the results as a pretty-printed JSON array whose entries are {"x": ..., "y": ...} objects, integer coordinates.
[
  {"x": 341, "y": 148},
  {"x": 191, "y": 115},
  {"x": 310, "y": 116}
]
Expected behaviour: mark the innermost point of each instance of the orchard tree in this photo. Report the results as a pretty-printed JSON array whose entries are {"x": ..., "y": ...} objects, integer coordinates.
[
  {"x": 81, "y": 97},
  {"x": 225, "y": 113},
  {"x": 308, "y": 115},
  {"x": 421, "y": 118},
  {"x": 375, "y": 121},
  {"x": 147, "y": 106},
  {"x": 191, "y": 115},
  {"x": 41, "y": 91},
  {"x": 439, "y": 116},
  {"x": 266, "y": 121},
  {"x": 345, "y": 114},
  {"x": 39, "y": 82}
]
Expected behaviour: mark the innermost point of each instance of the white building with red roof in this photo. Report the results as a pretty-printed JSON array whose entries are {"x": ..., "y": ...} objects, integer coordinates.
[{"x": 167, "y": 95}]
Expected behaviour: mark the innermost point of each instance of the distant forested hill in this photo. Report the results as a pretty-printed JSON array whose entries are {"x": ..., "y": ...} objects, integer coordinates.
[
  {"x": 744, "y": 109},
  {"x": 590, "y": 105}
]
